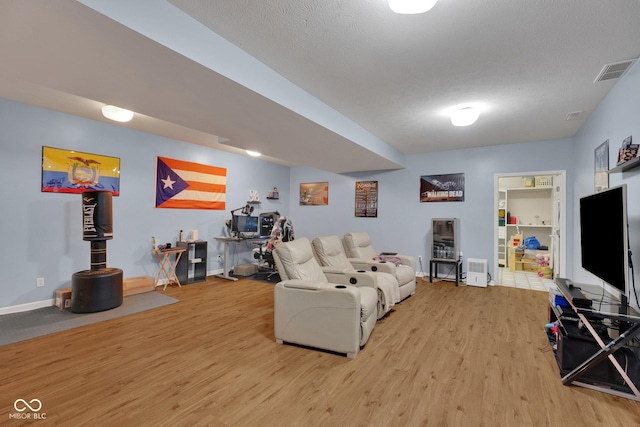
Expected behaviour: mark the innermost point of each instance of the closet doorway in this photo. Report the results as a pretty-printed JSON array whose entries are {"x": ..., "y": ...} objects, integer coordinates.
[{"x": 526, "y": 205}]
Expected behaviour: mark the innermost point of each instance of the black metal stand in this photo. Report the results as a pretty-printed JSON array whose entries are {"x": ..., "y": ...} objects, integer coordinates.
[{"x": 433, "y": 272}]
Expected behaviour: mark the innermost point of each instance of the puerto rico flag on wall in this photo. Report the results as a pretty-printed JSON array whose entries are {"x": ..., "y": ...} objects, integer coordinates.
[{"x": 188, "y": 185}]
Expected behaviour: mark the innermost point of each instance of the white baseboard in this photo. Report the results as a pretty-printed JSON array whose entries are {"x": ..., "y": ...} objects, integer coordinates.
[
  {"x": 49, "y": 302},
  {"x": 27, "y": 307}
]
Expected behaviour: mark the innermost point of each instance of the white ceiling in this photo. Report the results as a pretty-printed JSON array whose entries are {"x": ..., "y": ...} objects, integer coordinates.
[{"x": 338, "y": 85}]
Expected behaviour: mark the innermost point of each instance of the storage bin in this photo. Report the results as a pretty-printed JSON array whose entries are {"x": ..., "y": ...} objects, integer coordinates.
[
  {"x": 543, "y": 181},
  {"x": 544, "y": 272},
  {"x": 63, "y": 298},
  {"x": 515, "y": 259}
]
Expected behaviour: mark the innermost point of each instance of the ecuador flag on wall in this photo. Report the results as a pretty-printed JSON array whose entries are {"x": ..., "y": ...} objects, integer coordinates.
[
  {"x": 188, "y": 185},
  {"x": 69, "y": 171}
]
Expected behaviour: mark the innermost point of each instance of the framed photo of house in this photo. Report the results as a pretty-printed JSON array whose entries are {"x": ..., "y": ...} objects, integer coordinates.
[
  {"x": 601, "y": 166},
  {"x": 367, "y": 199},
  {"x": 70, "y": 171},
  {"x": 314, "y": 194},
  {"x": 442, "y": 188}
]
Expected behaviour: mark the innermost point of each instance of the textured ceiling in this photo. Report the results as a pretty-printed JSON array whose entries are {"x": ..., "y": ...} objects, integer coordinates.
[
  {"x": 337, "y": 85},
  {"x": 526, "y": 63}
]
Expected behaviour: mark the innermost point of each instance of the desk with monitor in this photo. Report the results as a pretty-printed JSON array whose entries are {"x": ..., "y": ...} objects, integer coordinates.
[
  {"x": 246, "y": 229},
  {"x": 235, "y": 241}
]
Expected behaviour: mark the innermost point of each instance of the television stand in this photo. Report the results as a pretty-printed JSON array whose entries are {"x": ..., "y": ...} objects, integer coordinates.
[
  {"x": 587, "y": 355},
  {"x": 433, "y": 268}
]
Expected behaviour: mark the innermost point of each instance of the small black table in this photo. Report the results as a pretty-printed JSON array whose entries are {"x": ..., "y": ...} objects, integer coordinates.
[{"x": 434, "y": 263}]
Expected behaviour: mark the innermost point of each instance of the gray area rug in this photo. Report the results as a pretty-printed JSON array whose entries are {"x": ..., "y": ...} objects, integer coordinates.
[{"x": 15, "y": 327}]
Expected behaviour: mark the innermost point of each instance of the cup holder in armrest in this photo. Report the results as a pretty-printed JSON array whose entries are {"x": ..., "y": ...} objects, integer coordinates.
[{"x": 341, "y": 287}]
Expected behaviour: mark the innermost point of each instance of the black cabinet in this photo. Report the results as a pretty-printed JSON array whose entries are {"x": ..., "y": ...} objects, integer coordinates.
[{"x": 192, "y": 266}]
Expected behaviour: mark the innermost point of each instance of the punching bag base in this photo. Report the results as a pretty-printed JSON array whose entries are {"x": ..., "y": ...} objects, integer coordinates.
[{"x": 96, "y": 290}]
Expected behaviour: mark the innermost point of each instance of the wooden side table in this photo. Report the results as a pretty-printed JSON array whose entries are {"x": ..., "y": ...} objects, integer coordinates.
[{"x": 167, "y": 266}]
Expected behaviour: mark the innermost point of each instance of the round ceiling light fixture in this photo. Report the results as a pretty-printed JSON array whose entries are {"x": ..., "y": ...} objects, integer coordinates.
[
  {"x": 411, "y": 7},
  {"x": 253, "y": 153},
  {"x": 117, "y": 114},
  {"x": 464, "y": 116}
]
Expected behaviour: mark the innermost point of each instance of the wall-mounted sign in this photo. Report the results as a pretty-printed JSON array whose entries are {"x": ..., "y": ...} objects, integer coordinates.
[
  {"x": 442, "y": 188},
  {"x": 367, "y": 199}
]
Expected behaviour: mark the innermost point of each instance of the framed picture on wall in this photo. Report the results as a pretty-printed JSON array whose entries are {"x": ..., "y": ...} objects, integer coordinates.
[
  {"x": 601, "y": 166},
  {"x": 367, "y": 199},
  {"x": 70, "y": 171},
  {"x": 442, "y": 188},
  {"x": 314, "y": 194}
]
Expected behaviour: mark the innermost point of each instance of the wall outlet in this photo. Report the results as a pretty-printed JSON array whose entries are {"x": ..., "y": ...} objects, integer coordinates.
[
  {"x": 419, "y": 258},
  {"x": 40, "y": 282},
  {"x": 219, "y": 258}
]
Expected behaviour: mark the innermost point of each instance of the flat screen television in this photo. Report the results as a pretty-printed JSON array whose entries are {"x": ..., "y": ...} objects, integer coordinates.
[{"x": 604, "y": 238}]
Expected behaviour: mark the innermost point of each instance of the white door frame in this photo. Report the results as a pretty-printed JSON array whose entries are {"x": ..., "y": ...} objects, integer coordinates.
[{"x": 561, "y": 187}]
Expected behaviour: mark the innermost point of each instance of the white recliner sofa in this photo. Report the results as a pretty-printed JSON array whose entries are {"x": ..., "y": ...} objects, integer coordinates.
[
  {"x": 363, "y": 256},
  {"x": 336, "y": 266},
  {"x": 311, "y": 311}
]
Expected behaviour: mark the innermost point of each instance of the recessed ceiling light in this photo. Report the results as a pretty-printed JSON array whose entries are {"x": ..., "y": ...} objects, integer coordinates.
[
  {"x": 253, "y": 153},
  {"x": 410, "y": 7},
  {"x": 116, "y": 113},
  {"x": 464, "y": 117}
]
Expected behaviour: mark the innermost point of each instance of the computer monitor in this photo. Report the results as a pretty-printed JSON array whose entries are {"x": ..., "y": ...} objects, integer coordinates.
[
  {"x": 266, "y": 222},
  {"x": 243, "y": 226}
]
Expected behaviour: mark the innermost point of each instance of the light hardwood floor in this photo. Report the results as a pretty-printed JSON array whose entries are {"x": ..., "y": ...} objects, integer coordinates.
[{"x": 445, "y": 357}]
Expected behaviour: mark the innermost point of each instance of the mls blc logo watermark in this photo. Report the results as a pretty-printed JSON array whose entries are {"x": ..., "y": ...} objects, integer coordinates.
[{"x": 30, "y": 410}]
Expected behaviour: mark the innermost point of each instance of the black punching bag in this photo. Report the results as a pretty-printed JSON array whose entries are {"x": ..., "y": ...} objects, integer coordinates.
[
  {"x": 100, "y": 288},
  {"x": 97, "y": 219}
]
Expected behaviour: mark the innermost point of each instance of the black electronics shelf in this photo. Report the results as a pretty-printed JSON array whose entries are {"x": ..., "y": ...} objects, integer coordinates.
[
  {"x": 192, "y": 266},
  {"x": 574, "y": 345}
]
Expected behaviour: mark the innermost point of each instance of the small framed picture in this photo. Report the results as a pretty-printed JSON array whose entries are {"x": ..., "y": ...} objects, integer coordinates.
[
  {"x": 601, "y": 166},
  {"x": 314, "y": 194}
]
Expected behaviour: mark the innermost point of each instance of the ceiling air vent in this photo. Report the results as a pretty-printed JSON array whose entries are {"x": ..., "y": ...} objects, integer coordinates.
[
  {"x": 574, "y": 115},
  {"x": 614, "y": 70}
]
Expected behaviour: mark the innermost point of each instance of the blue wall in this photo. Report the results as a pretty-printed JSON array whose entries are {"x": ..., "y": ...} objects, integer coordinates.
[
  {"x": 42, "y": 231},
  {"x": 404, "y": 223},
  {"x": 616, "y": 117}
]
